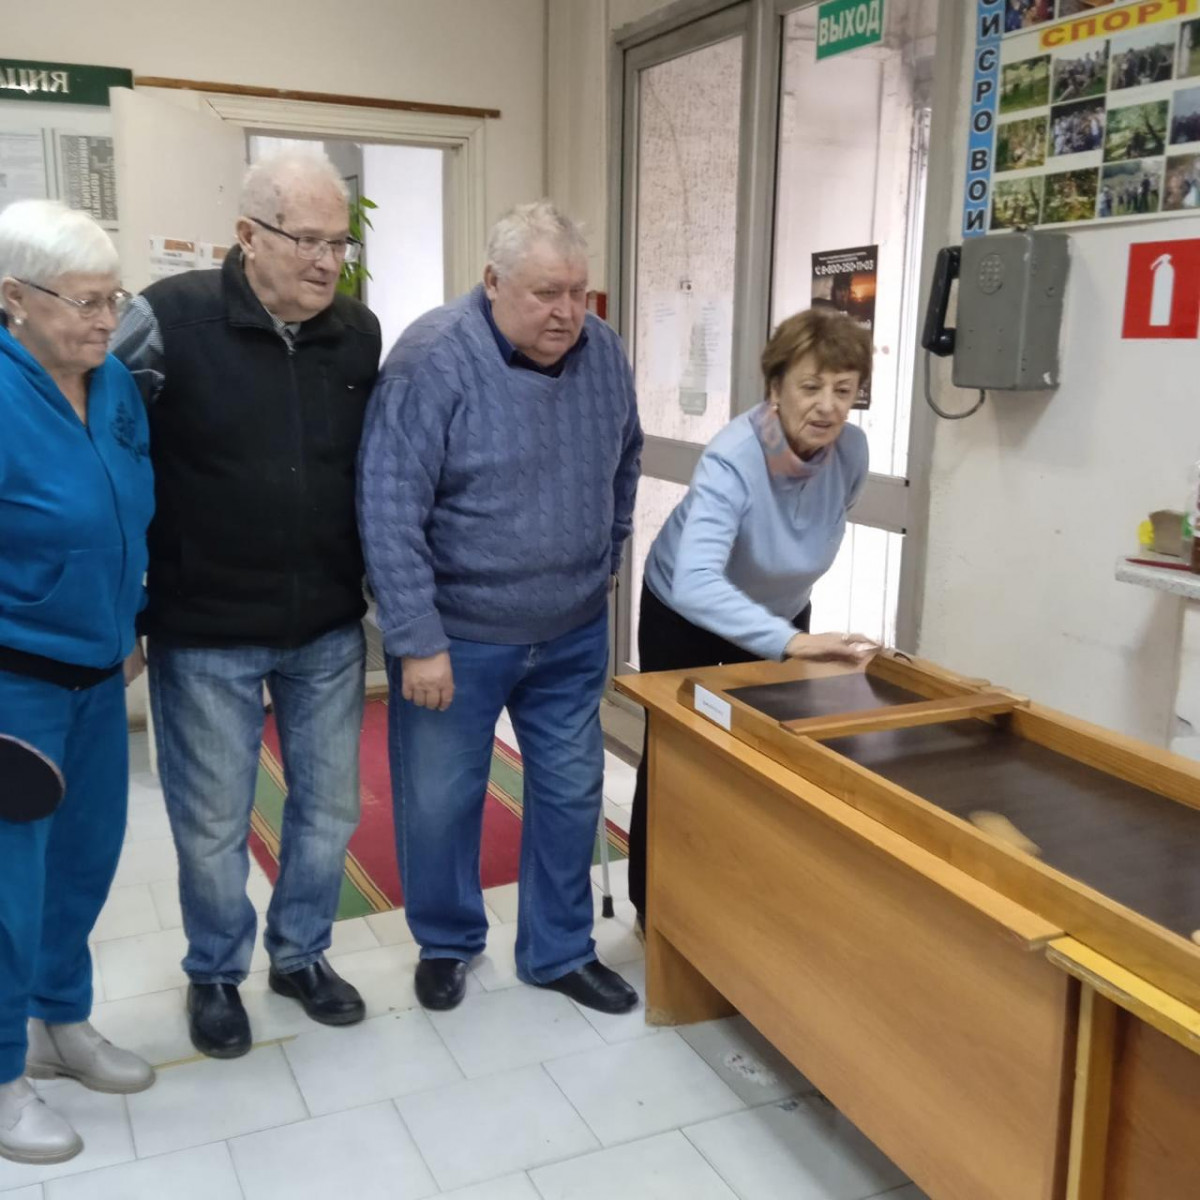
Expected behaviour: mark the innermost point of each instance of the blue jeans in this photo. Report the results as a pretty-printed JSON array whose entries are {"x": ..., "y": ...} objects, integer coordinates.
[
  {"x": 208, "y": 724},
  {"x": 55, "y": 873},
  {"x": 440, "y": 767}
]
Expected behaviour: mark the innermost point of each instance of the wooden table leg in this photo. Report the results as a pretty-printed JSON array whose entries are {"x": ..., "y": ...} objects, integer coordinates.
[
  {"x": 1093, "y": 1094},
  {"x": 676, "y": 993}
]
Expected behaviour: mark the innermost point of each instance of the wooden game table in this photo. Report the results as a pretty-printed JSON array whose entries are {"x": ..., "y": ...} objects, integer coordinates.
[{"x": 967, "y": 919}]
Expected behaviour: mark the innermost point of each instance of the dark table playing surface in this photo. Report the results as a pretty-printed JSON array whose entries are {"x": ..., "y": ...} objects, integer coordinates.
[{"x": 1136, "y": 847}]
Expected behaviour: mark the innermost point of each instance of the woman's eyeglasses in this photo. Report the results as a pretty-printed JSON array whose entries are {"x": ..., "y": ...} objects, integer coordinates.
[{"x": 115, "y": 302}]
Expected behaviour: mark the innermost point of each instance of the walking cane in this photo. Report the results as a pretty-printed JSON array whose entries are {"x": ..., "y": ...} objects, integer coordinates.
[{"x": 606, "y": 904}]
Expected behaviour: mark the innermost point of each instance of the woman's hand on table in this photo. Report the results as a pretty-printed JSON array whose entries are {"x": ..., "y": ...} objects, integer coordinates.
[{"x": 852, "y": 648}]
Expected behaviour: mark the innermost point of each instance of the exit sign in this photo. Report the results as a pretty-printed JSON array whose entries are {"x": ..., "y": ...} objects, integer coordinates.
[{"x": 847, "y": 24}]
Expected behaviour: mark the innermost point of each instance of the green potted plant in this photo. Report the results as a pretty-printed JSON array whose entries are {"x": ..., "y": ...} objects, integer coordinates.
[{"x": 355, "y": 274}]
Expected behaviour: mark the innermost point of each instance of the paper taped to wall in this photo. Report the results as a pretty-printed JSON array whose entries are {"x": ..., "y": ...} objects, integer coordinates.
[
  {"x": 22, "y": 168},
  {"x": 171, "y": 256}
]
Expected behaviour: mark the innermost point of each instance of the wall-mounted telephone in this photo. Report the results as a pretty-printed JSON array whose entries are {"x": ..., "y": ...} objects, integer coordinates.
[{"x": 1011, "y": 289}]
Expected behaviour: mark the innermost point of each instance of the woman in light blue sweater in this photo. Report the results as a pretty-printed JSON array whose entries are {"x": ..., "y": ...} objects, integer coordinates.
[{"x": 729, "y": 576}]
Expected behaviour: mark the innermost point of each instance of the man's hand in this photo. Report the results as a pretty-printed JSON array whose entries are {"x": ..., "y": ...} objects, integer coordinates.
[
  {"x": 850, "y": 648},
  {"x": 428, "y": 682},
  {"x": 135, "y": 664}
]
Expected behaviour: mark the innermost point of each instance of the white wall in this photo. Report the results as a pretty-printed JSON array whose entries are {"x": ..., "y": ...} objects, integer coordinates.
[
  {"x": 1034, "y": 499},
  {"x": 405, "y": 249},
  {"x": 484, "y": 53},
  {"x": 626, "y": 12},
  {"x": 577, "y": 119},
  {"x": 579, "y": 33}
]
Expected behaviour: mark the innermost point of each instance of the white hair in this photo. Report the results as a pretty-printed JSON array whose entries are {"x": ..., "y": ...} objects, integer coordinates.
[
  {"x": 268, "y": 182},
  {"x": 43, "y": 239},
  {"x": 520, "y": 228}
]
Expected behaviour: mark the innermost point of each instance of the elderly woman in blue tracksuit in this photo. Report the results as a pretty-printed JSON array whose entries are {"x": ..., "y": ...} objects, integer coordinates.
[
  {"x": 729, "y": 576},
  {"x": 76, "y": 496}
]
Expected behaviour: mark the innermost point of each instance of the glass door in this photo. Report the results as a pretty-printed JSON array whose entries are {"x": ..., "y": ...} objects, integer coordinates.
[
  {"x": 853, "y": 140},
  {"x": 757, "y": 181},
  {"x": 682, "y": 151}
]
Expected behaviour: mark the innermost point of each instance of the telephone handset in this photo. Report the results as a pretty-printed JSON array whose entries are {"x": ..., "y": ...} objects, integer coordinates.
[{"x": 936, "y": 338}]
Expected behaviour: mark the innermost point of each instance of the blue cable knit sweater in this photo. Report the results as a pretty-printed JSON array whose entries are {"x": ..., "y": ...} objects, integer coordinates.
[{"x": 493, "y": 501}]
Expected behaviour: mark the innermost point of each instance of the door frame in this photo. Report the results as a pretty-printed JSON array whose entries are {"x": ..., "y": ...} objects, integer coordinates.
[
  {"x": 694, "y": 27},
  {"x": 889, "y": 503},
  {"x": 464, "y": 137}
]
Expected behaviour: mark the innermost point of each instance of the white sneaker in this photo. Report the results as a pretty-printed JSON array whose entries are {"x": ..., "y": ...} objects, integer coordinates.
[
  {"x": 29, "y": 1131},
  {"x": 78, "y": 1052}
]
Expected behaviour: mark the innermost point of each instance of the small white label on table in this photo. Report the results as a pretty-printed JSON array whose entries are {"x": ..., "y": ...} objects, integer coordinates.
[{"x": 714, "y": 708}]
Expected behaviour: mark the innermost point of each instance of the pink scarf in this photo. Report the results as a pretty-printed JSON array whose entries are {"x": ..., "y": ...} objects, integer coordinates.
[{"x": 782, "y": 461}]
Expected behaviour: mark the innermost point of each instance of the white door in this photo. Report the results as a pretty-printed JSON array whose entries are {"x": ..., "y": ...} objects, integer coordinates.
[{"x": 178, "y": 175}]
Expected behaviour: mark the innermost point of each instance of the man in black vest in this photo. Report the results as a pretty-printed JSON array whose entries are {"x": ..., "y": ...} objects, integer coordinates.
[{"x": 256, "y": 377}]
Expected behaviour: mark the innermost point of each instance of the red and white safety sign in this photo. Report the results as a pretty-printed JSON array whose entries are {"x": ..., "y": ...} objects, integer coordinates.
[{"x": 1162, "y": 297}]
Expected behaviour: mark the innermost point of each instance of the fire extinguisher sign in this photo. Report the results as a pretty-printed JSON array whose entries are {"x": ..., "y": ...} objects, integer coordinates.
[{"x": 1162, "y": 297}]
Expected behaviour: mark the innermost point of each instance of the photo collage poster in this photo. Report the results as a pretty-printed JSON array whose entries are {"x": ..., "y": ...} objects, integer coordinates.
[{"x": 1095, "y": 113}]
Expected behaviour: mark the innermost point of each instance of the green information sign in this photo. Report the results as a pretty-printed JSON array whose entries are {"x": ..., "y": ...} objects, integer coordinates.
[
  {"x": 59, "y": 83},
  {"x": 847, "y": 24}
]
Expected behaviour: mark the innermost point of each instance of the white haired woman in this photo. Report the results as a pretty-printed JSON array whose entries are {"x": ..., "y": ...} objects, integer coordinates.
[{"x": 76, "y": 496}]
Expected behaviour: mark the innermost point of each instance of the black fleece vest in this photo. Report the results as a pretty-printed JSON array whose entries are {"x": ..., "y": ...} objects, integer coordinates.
[{"x": 254, "y": 444}]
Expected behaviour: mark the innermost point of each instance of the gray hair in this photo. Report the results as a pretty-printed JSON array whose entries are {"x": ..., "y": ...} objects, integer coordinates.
[
  {"x": 267, "y": 183},
  {"x": 43, "y": 239},
  {"x": 520, "y": 228}
]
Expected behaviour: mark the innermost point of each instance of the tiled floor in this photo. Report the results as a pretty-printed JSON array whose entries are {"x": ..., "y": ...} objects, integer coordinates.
[{"x": 517, "y": 1095}]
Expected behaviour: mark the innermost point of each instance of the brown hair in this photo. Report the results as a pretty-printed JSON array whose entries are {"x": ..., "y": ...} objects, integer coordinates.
[{"x": 837, "y": 342}]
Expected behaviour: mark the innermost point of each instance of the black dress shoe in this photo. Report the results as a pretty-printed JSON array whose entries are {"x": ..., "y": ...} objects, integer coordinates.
[
  {"x": 325, "y": 995},
  {"x": 594, "y": 986},
  {"x": 217, "y": 1021},
  {"x": 441, "y": 983}
]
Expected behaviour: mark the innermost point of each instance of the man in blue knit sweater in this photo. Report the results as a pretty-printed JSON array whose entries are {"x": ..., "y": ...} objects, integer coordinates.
[{"x": 497, "y": 478}]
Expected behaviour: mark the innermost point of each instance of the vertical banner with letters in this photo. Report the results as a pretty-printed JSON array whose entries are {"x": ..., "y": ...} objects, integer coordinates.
[
  {"x": 1083, "y": 111},
  {"x": 989, "y": 25}
]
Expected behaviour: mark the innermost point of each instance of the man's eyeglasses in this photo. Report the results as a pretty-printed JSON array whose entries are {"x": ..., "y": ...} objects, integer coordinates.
[
  {"x": 115, "y": 302},
  {"x": 313, "y": 248}
]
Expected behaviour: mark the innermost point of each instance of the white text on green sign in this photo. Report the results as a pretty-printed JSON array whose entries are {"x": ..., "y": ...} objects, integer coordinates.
[{"x": 847, "y": 24}]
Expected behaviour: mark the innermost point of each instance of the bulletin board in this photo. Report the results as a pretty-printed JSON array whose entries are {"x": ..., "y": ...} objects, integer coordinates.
[
  {"x": 1083, "y": 112},
  {"x": 56, "y": 138}
]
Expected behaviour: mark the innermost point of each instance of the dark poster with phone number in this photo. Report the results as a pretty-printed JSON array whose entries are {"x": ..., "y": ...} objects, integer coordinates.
[{"x": 844, "y": 280}]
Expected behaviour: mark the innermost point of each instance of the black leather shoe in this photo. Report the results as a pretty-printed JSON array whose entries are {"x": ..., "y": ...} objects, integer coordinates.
[
  {"x": 441, "y": 983},
  {"x": 325, "y": 995},
  {"x": 217, "y": 1021},
  {"x": 594, "y": 986}
]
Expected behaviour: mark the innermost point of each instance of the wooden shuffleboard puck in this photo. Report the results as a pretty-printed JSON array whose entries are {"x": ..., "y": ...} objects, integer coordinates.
[{"x": 998, "y": 826}]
